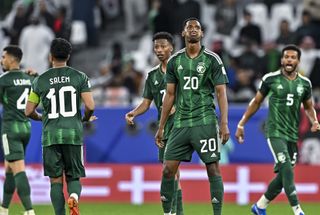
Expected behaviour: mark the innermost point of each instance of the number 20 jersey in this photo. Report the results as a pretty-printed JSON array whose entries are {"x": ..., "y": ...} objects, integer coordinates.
[{"x": 60, "y": 91}]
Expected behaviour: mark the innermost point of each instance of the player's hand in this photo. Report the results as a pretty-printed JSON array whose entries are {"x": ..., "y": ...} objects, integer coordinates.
[
  {"x": 173, "y": 110},
  {"x": 31, "y": 71},
  {"x": 224, "y": 133},
  {"x": 129, "y": 118},
  {"x": 240, "y": 134},
  {"x": 92, "y": 118},
  {"x": 315, "y": 126},
  {"x": 158, "y": 137}
]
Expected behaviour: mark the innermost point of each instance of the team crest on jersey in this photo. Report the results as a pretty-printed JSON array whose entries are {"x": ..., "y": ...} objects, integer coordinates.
[
  {"x": 201, "y": 68},
  {"x": 300, "y": 89}
]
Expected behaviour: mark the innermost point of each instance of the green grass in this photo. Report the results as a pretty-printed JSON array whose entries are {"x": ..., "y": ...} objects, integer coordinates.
[{"x": 155, "y": 209}]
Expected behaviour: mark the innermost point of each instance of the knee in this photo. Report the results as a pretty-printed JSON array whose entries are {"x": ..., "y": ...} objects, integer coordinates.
[
  {"x": 167, "y": 172},
  {"x": 213, "y": 169}
]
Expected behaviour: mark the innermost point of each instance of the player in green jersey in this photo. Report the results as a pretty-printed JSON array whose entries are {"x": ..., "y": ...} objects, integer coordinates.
[
  {"x": 154, "y": 90},
  {"x": 194, "y": 76},
  {"x": 60, "y": 91},
  {"x": 286, "y": 90},
  {"x": 15, "y": 86}
]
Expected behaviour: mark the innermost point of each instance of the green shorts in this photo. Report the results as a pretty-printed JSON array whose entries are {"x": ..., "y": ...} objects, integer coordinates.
[
  {"x": 283, "y": 151},
  {"x": 63, "y": 158},
  {"x": 14, "y": 145},
  {"x": 167, "y": 130},
  {"x": 183, "y": 142}
]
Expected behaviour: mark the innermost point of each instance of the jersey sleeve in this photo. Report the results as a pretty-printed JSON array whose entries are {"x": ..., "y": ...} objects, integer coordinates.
[
  {"x": 85, "y": 84},
  {"x": 34, "y": 95},
  {"x": 264, "y": 87},
  {"x": 147, "y": 88},
  {"x": 219, "y": 75},
  {"x": 308, "y": 92},
  {"x": 170, "y": 76}
]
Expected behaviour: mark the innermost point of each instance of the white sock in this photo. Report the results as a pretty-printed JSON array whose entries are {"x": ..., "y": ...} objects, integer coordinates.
[
  {"x": 166, "y": 213},
  {"x": 263, "y": 202},
  {"x": 297, "y": 210},
  {"x": 75, "y": 196}
]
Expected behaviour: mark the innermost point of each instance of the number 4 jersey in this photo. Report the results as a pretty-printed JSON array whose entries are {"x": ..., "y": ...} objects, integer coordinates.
[
  {"x": 59, "y": 90},
  {"x": 14, "y": 90}
]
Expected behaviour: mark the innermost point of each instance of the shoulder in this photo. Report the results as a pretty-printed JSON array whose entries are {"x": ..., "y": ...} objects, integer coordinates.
[
  {"x": 153, "y": 70},
  {"x": 4, "y": 75},
  {"x": 175, "y": 55},
  {"x": 212, "y": 55},
  {"x": 305, "y": 80},
  {"x": 271, "y": 75}
]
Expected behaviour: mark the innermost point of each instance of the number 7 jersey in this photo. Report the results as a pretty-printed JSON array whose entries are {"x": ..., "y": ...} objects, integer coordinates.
[{"x": 59, "y": 90}]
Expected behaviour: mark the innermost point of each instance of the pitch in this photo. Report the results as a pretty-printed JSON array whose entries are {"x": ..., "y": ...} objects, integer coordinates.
[{"x": 155, "y": 209}]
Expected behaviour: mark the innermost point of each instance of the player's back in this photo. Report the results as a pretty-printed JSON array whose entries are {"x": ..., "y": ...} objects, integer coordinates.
[
  {"x": 60, "y": 94},
  {"x": 15, "y": 87}
]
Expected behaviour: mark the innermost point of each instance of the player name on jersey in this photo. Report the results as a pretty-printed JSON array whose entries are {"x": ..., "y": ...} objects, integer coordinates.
[
  {"x": 21, "y": 82},
  {"x": 59, "y": 80}
]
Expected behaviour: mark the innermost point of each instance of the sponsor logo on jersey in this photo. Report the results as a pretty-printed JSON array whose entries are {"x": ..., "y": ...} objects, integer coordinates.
[
  {"x": 280, "y": 87},
  {"x": 180, "y": 68},
  {"x": 299, "y": 89},
  {"x": 201, "y": 68},
  {"x": 163, "y": 198},
  {"x": 156, "y": 82},
  {"x": 213, "y": 155}
]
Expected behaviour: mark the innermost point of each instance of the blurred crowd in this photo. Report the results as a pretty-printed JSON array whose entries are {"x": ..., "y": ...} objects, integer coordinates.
[{"x": 248, "y": 35}]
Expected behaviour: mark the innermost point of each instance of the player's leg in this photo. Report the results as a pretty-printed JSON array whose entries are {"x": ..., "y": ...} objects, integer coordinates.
[
  {"x": 178, "y": 149},
  {"x": 14, "y": 149},
  {"x": 8, "y": 189},
  {"x": 74, "y": 170},
  {"x": 285, "y": 154},
  {"x": 179, "y": 205},
  {"x": 53, "y": 167}
]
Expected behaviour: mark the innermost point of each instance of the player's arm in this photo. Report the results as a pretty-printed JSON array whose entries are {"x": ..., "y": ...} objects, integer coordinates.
[
  {"x": 32, "y": 104},
  {"x": 223, "y": 107},
  {"x": 311, "y": 114},
  {"x": 140, "y": 109},
  {"x": 166, "y": 108},
  {"x": 252, "y": 108},
  {"x": 87, "y": 99}
]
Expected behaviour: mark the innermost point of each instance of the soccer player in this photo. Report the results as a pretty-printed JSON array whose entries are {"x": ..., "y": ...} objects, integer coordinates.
[
  {"x": 287, "y": 90},
  {"x": 194, "y": 75},
  {"x": 15, "y": 86},
  {"x": 155, "y": 89},
  {"x": 60, "y": 91}
]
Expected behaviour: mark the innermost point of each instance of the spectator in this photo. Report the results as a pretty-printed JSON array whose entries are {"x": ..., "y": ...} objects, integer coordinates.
[
  {"x": 285, "y": 35},
  {"x": 226, "y": 16},
  {"x": 35, "y": 43},
  {"x": 250, "y": 32}
]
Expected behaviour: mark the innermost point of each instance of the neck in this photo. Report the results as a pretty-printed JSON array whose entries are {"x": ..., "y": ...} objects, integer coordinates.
[
  {"x": 290, "y": 75},
  {"x": 164, "y": 66},
  {"x": 193, "y": 49},
  {"x": 57, "y": 64}
]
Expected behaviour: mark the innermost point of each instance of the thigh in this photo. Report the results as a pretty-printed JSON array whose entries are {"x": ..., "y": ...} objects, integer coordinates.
[
  {"x": 52, "y": 161},
  {"x": 178, "y": 146},
  {"x": 280, "y": 151},
  {"x": 205, "y": 141},
  {"x": 14, "y": 146},
  {"x": 73, "y": 161}
]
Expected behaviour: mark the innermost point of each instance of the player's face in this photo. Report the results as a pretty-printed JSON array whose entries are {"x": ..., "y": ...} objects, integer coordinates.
[
  {"x": 5, "y": 61},
  {"x": 290, "y": 61},
  {"x": 192, "y": 31},
  {"x": 162, "y": 48}
]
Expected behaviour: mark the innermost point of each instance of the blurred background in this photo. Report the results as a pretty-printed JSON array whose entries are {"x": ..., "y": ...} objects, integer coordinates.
[{"x": 112, "y": 44}]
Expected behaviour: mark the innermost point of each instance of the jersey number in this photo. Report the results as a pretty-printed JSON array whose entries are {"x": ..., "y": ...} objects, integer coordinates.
[
  {"x": 62, "y": 107},
  {"x": 22, "y": 100},
  {"x": 191, "y": 83},
  {"x": 208, "y": 145},
  {"x": 163, "y": 93},
  {"x": 289, "y": 99}
]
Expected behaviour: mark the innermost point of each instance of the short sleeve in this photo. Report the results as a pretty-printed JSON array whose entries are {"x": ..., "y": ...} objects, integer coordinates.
[
  {"x": 85, "y": 84},
  {"x": 219, "y": 75},
  {"x": 170, "y": 76},
  {"x": 264, "y": 87},
  {"x": 147, "y": 93}
]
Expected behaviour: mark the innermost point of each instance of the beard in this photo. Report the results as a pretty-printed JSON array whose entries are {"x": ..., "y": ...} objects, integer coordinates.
[
  {"x": 290, "y": 70},
  {"x": 193, "y": 40}
]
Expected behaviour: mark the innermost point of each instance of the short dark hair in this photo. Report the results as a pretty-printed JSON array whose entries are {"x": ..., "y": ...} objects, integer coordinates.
[
  {"x": 60, "y": 49},
  {"x": 14, "y": 51},
  {"x": 291, "y": 47},
  {"x": 190, "y": 19},
  {"x": 163, "y": 35}
]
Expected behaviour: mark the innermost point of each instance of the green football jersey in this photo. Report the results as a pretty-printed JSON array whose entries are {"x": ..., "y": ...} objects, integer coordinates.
[
  {"x": 59, "y": 90},
  {"x": 14, "y": 91},
  {"x": 195, "y": 81},
  {"x": 285, "y": 98},
  {"x": 154, "y": 89}
]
